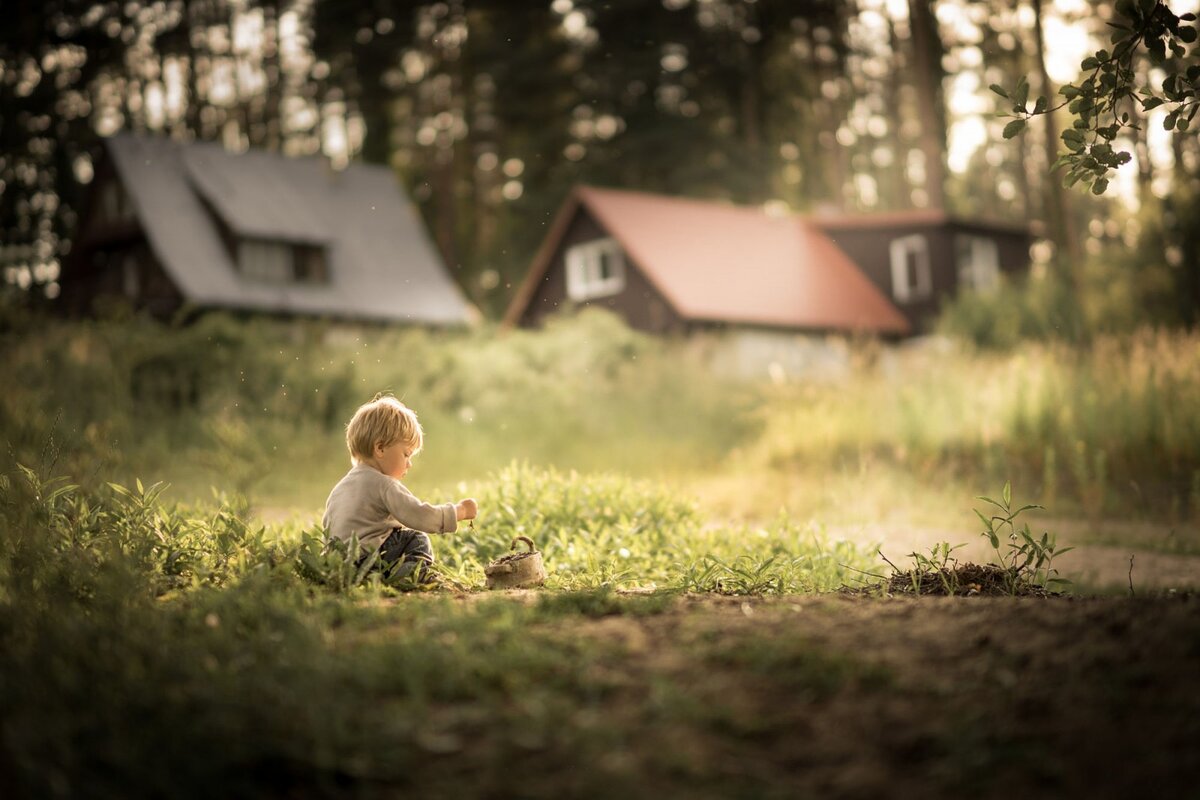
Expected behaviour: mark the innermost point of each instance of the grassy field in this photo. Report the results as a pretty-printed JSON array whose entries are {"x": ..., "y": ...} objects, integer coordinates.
[
  {"x": 158, "y": 650},
  {"x": 695, "y": 637},
  {"x": 1107, "y": 437}
]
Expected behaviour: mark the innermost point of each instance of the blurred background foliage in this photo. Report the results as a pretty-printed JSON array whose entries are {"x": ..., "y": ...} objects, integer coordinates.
[
  {"x": 489, "y": 112},
  {"x": 257, "y": 408}
]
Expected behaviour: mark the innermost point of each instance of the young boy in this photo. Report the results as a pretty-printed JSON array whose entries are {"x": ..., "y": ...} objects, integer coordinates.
[{"x": 371, "y": 503}]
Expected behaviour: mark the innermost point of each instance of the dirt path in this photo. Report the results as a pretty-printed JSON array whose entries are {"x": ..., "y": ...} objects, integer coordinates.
[{"x": 852, "y": 697}]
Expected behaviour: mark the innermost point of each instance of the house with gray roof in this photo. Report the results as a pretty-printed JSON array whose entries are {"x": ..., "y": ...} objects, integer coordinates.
[{"x": 170, "y": 224}]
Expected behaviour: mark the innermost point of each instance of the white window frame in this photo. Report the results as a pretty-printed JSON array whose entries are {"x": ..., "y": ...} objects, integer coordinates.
[
  {"x": 585, "y": 278},
  {"x": 978, "y": 262},
  {"x": 920, "y": 287}
]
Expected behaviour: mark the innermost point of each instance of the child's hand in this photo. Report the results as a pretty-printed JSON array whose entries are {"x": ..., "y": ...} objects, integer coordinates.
[{"x": 466, "y": 509}]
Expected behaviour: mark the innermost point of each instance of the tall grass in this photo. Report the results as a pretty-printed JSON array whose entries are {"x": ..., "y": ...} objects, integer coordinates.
[
  {"x": 256, "y": 408},
  {"x": 1112, "y": 428}
]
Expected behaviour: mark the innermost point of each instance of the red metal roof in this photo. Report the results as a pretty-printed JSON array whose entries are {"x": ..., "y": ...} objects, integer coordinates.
[{"x": 724, "y": 263}]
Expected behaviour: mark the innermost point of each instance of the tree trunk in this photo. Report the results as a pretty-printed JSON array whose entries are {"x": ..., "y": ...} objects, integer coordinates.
[
  {"x": 1059, "y": 219},
  {"x": 1141, "y": 140},
  {"x": 927, "y": 67},
  {"x": 898, "y": 192}
]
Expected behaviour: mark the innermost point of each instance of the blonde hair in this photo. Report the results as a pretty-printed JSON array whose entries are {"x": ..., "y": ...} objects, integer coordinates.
[{"x": 383, "y": 420}]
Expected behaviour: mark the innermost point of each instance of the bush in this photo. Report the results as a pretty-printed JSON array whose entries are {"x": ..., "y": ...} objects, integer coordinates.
[{"x": 1020, "y": 310}]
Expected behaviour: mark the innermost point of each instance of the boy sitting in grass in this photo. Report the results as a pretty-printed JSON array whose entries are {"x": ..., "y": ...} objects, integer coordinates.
[{"x": 371, "y": 503}]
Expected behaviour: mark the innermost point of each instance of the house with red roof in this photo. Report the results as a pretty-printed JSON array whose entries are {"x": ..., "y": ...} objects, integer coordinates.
[
  {"x": 920, "y": 258},
  {"x": 668, "y": 264}
]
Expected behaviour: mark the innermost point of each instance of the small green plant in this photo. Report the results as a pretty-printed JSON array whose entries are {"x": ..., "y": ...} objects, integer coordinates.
[
  {"x": 1024, "y": 559},
  {"x": 749, "y": 575},
  {"x": 741, "y": 576},
  {"x": 936, "y": 563},
  {"x": 331, "y": 562}
]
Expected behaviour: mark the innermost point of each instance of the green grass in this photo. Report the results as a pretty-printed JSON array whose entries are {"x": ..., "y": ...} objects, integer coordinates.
[
  {"x": 1112, "y": 429},
  {"x": 256, "y": 408},
  {"x": 161, "y": 641},
  {"x": 138, "y": 633}
]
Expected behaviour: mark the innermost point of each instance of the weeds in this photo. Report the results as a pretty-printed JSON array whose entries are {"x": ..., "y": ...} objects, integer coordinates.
[
  {"x": 1024, "y": 564},
  {"x": 935, "y": 564},
  {"x": 1024, "y": 561}
]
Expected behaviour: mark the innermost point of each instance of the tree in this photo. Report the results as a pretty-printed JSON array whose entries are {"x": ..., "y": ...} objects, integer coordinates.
[
  {"x": 927, "y": 60},
  {"x": 1058, "y": 214},
  {"x": 1100, "y": 102}
]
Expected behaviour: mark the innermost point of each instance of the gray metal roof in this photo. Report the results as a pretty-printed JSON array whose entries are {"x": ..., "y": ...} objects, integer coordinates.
[{"x": 382, "y": 265}]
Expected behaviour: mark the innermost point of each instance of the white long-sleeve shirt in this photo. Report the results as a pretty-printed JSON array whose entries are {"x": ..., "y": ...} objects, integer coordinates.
[{"x": 368, "y": 504}]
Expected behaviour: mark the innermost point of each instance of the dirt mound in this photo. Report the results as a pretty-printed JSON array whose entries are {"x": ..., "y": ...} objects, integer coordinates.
[{"x": 962, "y": 580}]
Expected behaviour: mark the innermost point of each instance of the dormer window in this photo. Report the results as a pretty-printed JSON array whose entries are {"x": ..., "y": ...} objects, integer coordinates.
[
  {"x": 595, "y": 269},
  {"x": 911, "y": 278},
  {"x": 282, "y": 262}
]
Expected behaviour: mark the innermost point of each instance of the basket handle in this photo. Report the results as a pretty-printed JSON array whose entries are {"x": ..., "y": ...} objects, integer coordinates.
[{"x": 524, "y": 539}]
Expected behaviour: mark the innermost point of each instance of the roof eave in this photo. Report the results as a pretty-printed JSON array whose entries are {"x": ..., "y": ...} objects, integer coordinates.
[
  {"x": 893, "y": 328},
  {"x": 541, "y": 261}
]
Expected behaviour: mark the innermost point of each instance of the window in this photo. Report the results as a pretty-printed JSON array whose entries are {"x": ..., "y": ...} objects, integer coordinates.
[
  {"x": 978, "y": 263},
  {"x": 595, "y": 269},
  {"x": 114, "y": 202},
  {"x": 282, "y": 262},
  {"x": 309, "y": 264},
  {"x": 911, "y": 279}
]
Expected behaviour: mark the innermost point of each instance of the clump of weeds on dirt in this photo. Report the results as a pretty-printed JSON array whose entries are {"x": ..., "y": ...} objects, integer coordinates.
[
  {"x": 1023, "y": 562},
  {"x": 936, "y": 564}
]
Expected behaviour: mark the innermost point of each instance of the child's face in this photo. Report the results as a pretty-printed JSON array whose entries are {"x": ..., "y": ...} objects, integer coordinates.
[{"x": 394, "y": 459}]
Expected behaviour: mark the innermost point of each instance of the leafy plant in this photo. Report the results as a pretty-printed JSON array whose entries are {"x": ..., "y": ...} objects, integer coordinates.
[
  {"x": 1023, "y": 558},
  {"x": 1110, "y": 78},
  {"x": 337, "y": 565}
]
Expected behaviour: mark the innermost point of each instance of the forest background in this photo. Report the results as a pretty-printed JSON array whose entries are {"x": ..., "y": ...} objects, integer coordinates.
[{"x": 490, "y": 111}]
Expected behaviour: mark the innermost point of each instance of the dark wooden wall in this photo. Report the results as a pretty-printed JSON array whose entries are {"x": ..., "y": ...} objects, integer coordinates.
[
  {"x": 93, "y": 272},
  {"x": 641, "y": 305},
  {"x": 871, "y": 250}
]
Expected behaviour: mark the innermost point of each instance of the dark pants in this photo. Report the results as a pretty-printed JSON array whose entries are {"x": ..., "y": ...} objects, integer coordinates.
[{"x": 404, "y": 554}]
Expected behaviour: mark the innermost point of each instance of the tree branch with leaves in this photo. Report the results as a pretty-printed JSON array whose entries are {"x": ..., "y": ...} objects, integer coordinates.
[{"x": 1098, "y": 102}]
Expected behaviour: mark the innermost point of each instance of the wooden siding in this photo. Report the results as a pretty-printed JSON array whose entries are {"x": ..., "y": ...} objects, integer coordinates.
[
  {"x": 641, "y": 305},
  {"x": 871, "y": 250},
  {"x": 94, "y": 271}
]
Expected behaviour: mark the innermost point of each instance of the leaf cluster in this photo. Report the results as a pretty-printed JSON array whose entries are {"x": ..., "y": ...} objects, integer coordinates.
[
  {"x": 1099, "y": 101},
  {"x": 1025, "y": 559}
]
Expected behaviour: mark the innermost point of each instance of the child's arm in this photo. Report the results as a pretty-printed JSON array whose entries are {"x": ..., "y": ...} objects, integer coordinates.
[{"x": 410, "y": 512}]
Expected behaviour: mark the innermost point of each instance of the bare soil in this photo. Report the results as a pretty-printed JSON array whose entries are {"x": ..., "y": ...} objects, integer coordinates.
[{"x": 836, "y": 696}]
